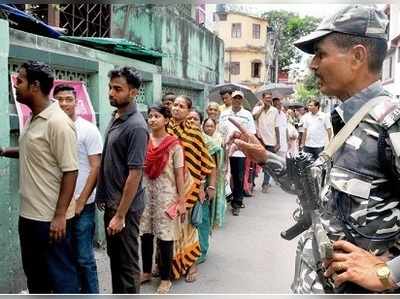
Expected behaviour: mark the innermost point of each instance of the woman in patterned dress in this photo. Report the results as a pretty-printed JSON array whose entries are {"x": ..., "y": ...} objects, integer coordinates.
[
  {"x": 199, "y": 163},
  {"x": 164, "y": 181}
]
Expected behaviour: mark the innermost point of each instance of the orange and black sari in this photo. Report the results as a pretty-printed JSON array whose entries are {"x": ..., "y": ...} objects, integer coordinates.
[{"x": 199, "y": 164}]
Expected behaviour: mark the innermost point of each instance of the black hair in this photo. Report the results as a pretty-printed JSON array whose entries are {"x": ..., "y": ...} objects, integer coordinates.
[
  {"x": 41, "y": 72},
  {"x": 207, "y": 119},
  {"x": 63, "y": 87},
  {"x": 275, "y": 99},
  {"x": 225, "y": 90},
  {"x": 200, "y": 114},
  {"x": 376, "y": 47},
  {"x": 188, "y": 101},
  {"x": 131, "y": 75},
  {"x": 170, "y": 96},
  {"x": 315, "y": 102},
  {"x": 267, "y": 92},
  {"x": 164, "y": 111}
]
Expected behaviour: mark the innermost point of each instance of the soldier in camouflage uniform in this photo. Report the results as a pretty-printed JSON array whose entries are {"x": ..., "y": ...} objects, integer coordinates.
[
  {"x": 361, "y": 211},
  {"x": 361, "y": 198}
]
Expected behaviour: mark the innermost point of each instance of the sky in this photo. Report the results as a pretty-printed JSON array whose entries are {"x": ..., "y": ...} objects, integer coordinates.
[{"x": 314, "y": 9}]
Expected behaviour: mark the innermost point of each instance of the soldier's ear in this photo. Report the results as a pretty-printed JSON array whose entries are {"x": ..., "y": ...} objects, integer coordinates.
[{"x": 359, "y": 56}]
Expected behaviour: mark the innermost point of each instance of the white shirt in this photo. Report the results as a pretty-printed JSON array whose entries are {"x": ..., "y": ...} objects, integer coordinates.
[
  {"x": 226, "y": 128},
  {"x": 283, "y": 125},
  {"x": 316, "y": 125},
  {"x": 89, "y": 143},
  {"x": 266, "y": 124}
]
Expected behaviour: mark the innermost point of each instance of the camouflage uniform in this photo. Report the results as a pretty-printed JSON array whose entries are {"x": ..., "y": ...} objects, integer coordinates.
[
  {"x": 360, "y": 202},
  {"x": 361, "y": 183}
]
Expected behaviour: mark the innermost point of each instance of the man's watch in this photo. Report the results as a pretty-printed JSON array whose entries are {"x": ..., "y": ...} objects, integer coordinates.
[{"x": 383, "y": 273}]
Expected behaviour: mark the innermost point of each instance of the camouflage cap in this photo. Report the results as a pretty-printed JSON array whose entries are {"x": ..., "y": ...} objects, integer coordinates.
[{"x": 359, "y": 20}]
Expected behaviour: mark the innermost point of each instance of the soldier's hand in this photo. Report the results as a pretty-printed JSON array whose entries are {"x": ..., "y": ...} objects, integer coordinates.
[
  {"x": 354, "y": 264},
  {"x": 58, "y": 228},
  {"x": 249, "y": 144}
]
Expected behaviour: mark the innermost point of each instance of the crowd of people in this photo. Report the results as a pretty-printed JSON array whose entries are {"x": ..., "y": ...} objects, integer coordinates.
[{"x": 167, "y": 180}]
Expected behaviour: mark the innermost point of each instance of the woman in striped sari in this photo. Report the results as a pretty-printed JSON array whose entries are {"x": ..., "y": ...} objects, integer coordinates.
[
  {"x": 199, "y": 163},
  {"x": 214, "y": 205}
]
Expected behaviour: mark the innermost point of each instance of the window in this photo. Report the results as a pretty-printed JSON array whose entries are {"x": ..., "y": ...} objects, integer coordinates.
[
  {"x": 255, "y": 69},
  {"x": 236, "y": 30},
  {"x": 219, "y": 16},
  {"x": 235, "y": 68},
  {"x": 256, "y": 31},
  {"x": 387, "y": 71},
  {"x": 222, "y": 16}
]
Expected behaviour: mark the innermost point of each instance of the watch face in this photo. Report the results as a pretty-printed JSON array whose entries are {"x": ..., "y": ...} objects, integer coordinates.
[{"x": 383, "y": 271}]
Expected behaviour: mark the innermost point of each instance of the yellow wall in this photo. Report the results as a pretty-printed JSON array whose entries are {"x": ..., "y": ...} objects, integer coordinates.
[
  {"x": 245, "y": 59},
  {"x": 224, "y": 28},
  {"x": 241, "y": 49}
]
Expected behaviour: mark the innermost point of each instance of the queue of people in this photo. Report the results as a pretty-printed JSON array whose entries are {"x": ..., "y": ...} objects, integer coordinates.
[{"x": 167, "y": 180}]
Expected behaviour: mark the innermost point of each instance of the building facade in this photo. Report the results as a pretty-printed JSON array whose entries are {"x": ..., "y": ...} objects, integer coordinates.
[
  {"x": 192, "y": 63},
  {"x": 391, "y": 65},
  {"x": 194, "y": 56},
  {"x": 246, "y": 47}
]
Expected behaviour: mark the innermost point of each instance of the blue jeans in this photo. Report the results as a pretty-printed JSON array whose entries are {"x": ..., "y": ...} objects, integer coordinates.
[
  {"x": 49, "y": 266},
  {"x": 83, "y": 235}
]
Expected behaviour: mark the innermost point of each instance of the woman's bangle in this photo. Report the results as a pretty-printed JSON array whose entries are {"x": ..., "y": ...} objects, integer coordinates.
[{"x": 210, "y": 187}]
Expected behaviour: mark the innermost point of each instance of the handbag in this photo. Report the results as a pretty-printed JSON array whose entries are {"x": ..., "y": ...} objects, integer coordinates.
[{"x": 197, "y": 214}]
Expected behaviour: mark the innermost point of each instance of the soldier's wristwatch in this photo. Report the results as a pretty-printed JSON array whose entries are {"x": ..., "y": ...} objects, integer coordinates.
[{"x": 383, "y": 273}]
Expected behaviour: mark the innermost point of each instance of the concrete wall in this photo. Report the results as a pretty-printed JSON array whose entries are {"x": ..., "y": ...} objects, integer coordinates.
[
  {"x": 194, "y": 56},
  {"x": 70, "y": 62},
  {"x": 392, "y": 84}
]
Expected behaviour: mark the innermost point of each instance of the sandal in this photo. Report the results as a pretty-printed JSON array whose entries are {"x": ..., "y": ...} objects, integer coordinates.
[
  {"x": 164, "y": 287},
  {"x": 145, "y": 277},
  {"x": 192, "y": 275}
]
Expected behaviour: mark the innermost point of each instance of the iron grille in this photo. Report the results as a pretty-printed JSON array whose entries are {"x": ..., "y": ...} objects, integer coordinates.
[{"x": 86, "y": 20}]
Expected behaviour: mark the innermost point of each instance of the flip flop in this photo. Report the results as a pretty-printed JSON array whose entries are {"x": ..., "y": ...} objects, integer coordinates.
[
  {"x": 164, "y": 289},
  {"x": 145, "y": 278},
  {"x": 191, "y": 276}
]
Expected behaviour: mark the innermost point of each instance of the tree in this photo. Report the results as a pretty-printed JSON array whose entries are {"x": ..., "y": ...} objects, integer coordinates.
[
  {"x": 308, "y": 89},
  {"x": 289, "y": 27}
]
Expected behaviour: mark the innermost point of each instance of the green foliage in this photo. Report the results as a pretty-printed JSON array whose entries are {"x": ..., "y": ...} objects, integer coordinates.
[
  {"x": 289, "y": 27},
  {"x": 308, "y": 89}
]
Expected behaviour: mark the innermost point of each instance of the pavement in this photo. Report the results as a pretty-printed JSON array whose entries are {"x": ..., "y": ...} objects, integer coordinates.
[{"x": 247, "y": 255}]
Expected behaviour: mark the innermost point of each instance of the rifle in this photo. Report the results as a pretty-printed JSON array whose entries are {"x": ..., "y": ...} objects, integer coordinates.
[{"x": 295, "y": 176}]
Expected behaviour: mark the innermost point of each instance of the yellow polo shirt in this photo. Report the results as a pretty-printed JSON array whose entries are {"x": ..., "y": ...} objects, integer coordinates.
[{"x": 47, "y": 148}]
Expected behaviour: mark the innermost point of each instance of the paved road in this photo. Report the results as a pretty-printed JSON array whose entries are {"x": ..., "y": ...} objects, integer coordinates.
[{"x": 247, "y": 255}]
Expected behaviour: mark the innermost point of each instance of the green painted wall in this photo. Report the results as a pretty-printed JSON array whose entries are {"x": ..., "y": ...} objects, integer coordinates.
[
  {"x": 10, "y": 266},
  {"x": 68, "y": 60},
  {"x": 194, "y": 55},
  {"x": 193, "y": 64}
]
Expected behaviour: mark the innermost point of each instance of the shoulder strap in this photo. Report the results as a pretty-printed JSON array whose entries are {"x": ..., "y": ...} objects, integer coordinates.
[{"x": 346, "y": 131}]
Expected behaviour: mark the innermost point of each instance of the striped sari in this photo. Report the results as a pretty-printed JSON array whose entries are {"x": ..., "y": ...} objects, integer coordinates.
[{"x": 199, "y": 164}]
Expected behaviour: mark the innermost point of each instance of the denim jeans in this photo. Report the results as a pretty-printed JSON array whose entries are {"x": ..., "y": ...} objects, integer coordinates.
[
  {"x": 49, "y": 266},
  {"x": 83, "y": 235}
]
